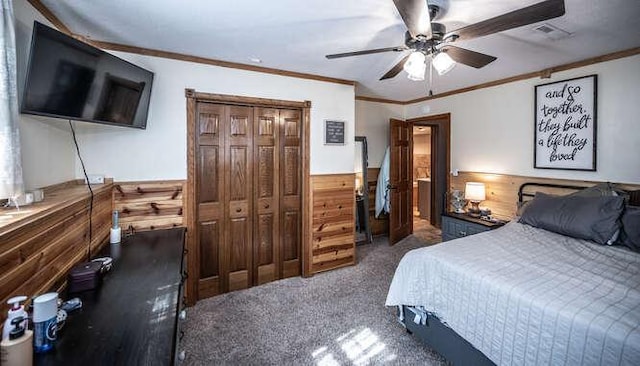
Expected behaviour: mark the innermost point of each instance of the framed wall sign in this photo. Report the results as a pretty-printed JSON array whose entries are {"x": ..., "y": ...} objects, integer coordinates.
[
  {"x": 565, "y": 124},
  {"x": 334, "y": 132}
]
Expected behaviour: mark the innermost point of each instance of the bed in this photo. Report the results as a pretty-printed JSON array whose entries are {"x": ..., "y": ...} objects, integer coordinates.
[{"x": 522, "y": 295}]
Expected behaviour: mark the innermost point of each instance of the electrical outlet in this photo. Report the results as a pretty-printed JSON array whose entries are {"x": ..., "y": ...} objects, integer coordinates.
[{"x": 96, "y": 179}]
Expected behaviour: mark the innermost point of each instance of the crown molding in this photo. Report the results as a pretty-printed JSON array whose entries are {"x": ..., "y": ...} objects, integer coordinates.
[
  {"x": 544, "y": 73},
  {"x": 379, "y": 100},
  {"x": 50, "y": 16}
]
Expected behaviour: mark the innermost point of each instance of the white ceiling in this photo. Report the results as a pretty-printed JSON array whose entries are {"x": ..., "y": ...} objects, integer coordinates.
[{"x": 296, "y": 34}]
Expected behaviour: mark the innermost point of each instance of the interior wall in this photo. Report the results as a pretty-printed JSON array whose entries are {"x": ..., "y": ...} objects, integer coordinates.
[
  {"x": 421, "y": 144},
  {"x": 159, "y": 152},
  {"x": 46, "y": 143},
  {"x": 492, "y": 128},
  {"x": 372, "y": 121},
  {"x": 421, "y": 155}
]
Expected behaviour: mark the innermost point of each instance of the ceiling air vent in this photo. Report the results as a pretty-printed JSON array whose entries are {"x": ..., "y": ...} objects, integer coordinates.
[{"x": 551, "y": 32}]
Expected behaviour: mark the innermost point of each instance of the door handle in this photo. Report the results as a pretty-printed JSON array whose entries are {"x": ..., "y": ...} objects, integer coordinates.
[{"x": 389, "y": 186}]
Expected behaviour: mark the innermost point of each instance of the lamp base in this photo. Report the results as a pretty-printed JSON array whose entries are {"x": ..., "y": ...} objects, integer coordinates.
[{"x": 474, "y": 210}]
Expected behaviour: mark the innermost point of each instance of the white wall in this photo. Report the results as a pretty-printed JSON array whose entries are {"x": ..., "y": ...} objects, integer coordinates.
[
  {"x": 372, "y": 121},
  {"x": 159, "y": 152},
  {"x": 421, "y": 144},
  {"x": 492, "y": 128},
  {"x": 47, "y": 147}
]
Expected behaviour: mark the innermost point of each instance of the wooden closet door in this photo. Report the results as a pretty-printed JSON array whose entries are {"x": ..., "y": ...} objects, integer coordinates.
[
  {"x": 210, "y": 119},
  {"x": 291, "y": 194},
  {"x": 266, "y": 250},
  {"x": 238, "y": 187}
]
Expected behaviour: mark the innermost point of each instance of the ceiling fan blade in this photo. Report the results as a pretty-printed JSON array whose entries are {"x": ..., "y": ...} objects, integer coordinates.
[
  {"x": 367, "y": 52},
  {"x": 396, "y": 69},
  {"x": 415, "y": 14},
  {"x": 531, "y": 14},
  {"x": 468, "y": 57}
]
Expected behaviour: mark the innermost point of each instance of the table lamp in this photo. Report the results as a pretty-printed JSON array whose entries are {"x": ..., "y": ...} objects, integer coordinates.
[{"x": 474, "y": 192}]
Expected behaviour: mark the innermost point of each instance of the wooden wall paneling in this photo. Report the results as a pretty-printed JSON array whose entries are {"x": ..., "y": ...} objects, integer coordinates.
[
  {"x": 37, "y": 251},
  {"x": 380, "y": 225},
  {"x": 291, "y": 191},
  {"x": 502, "y": 190},
  {"x": 333, "y": 221},
  {"x": 149, "y": 205},
  {"x": 266, "y": 249}
]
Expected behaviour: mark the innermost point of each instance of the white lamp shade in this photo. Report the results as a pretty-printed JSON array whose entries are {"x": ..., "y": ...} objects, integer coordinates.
[
  {"x": 443, "y": 63},
  {"x": 474, "y": 191},
  {"x": 415, "y": 66}
]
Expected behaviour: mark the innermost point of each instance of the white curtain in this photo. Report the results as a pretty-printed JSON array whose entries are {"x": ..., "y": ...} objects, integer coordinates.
[{"x": 11, "y": 184}]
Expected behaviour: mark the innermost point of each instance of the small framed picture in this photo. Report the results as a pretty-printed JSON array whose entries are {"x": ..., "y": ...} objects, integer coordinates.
[{"x": 334, "y": 132}]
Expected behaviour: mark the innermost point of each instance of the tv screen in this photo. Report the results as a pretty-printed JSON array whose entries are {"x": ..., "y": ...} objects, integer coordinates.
[{"x": 69, "y": 79}]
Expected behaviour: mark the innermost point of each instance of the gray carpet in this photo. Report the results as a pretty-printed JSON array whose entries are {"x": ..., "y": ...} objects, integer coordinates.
[{"x": 333, "y": 318}]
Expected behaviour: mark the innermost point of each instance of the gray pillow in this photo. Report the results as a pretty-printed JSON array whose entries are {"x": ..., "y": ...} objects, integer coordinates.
[
  {"x": 600, "y": 189},
  {"x": 604, "y": 189},
  {"x": 630, "y": 232},
  {"x": 591, "y": 218}
]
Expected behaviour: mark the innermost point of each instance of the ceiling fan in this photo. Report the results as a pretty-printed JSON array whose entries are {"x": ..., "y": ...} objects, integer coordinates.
[{"x": 424, "y": 37}]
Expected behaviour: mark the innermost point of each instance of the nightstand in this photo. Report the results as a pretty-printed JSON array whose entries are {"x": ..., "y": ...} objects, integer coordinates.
[{"x": 456, "y": 225}]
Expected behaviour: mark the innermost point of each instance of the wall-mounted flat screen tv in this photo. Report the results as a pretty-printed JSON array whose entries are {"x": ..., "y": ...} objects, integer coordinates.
[{"x": 70, "y": 79}]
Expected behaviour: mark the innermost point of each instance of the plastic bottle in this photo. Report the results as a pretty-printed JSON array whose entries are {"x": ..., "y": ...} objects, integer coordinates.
[
  {"x": 17, "y": 349},
  {"x": 45, "y": 311},
  {"x": 16, "y": 310}
]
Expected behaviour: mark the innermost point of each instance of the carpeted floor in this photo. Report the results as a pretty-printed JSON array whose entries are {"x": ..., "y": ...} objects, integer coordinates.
[{"x": 333, "y": 318}]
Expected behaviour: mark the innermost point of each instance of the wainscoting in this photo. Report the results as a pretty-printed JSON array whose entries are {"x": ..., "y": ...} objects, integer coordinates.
[
  {"x": 380, "y": 225},
  {"x": 333, "y": 221},
  {"x": 39, "y": 245},
  {"x": 149, "y": 205},
  {"x": 502, "y": 190}
]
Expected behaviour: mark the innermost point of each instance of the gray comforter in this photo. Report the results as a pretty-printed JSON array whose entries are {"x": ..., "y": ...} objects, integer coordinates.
[{"x": 527, "y": 296}]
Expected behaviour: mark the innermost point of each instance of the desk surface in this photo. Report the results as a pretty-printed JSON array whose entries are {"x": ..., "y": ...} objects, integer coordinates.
[{"x": 131, "y": 318}]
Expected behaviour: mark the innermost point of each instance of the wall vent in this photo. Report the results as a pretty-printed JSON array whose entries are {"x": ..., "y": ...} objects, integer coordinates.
[{"x": 551, "y": 31}]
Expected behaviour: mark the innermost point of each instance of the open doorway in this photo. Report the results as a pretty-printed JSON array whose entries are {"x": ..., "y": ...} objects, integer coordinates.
[
  {"x": 422, "y": 200},
  {"x": 431, "y": 166},
  {"x": 400, "y": 185}
]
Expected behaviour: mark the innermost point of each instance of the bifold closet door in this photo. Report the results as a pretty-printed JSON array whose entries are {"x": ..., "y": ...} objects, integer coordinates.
[
  {"x": 291, "y": 194},
  {"x": 266, "y": 249},
  {"x": 278, "y": 194},
  {"x": 210, "y": 182},
  {"x": 237, "y": 246},
  {"x": 224, "y": 166},
  {"x": 249, "y": 185}
]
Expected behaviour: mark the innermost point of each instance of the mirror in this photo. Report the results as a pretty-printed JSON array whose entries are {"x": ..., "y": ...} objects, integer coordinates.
[{"x": 361, "y": 163}]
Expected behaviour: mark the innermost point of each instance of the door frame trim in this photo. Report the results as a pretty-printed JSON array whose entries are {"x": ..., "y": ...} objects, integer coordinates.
[
  {"x": 443, "y": 123},
  {"x": 190, "y": 217}
]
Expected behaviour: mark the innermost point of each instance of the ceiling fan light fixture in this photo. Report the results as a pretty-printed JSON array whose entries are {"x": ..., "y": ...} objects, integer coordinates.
[
  {"x": 415, "y": 66},
  {"x": 443, "y": 63}
]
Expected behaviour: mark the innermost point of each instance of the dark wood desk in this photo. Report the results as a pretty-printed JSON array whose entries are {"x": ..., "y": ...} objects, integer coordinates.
[{"x": 132, "y": 319}]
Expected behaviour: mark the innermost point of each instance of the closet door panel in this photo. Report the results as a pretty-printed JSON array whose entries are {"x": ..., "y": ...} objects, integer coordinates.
[
  {"x": 209, "y": 260},
  {"x": 290, "y": 198},
  {"x": 237, "y": 254},
  {"x": 267, "y": 233},
  {"x": 209, "y": 183}
]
